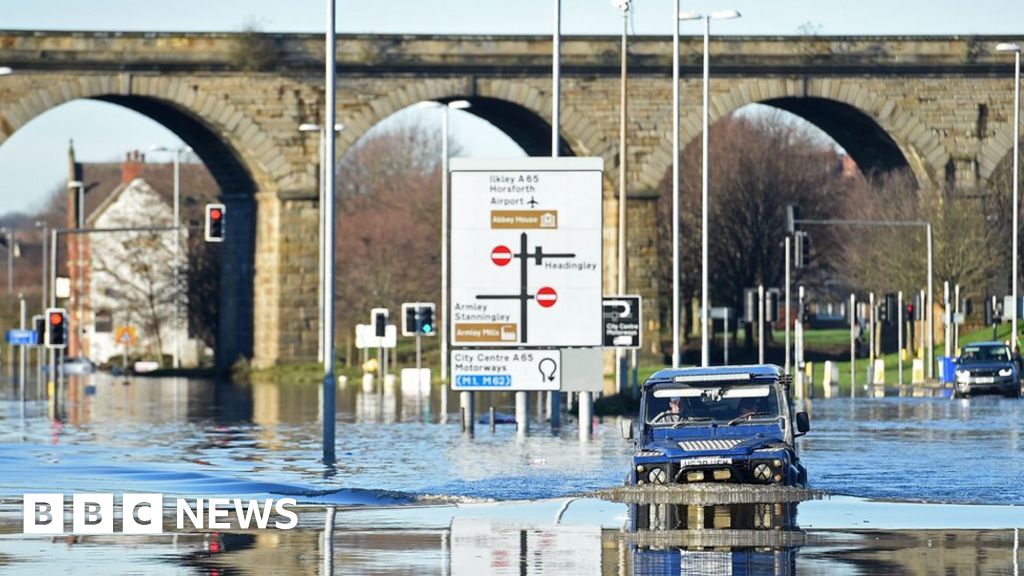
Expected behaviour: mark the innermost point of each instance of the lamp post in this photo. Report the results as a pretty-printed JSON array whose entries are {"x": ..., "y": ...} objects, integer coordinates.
[
  {"x": 620, "y": 357},
  {"x": 310, "y": 127},
  {"x": 1015, "y": 48},
  {"x": 704, "y": 296},
  {"x": 675, "y": 185},
  {"x": 175, "y": 323},
  {"x": 465, "y": 398},
  {"x": 327, "y": 271}
]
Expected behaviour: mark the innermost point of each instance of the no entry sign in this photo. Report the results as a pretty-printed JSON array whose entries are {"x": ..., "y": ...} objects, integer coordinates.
[
  {"x": 501, "y": 255},
  {"x": 547, "y": 297}
]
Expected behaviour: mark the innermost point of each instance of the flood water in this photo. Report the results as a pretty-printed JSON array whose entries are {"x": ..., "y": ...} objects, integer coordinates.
[{"x": 413, "y": 495}]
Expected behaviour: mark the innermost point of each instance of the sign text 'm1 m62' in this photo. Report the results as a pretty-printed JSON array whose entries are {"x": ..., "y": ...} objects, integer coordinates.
[{"x": 526, "y": 252}]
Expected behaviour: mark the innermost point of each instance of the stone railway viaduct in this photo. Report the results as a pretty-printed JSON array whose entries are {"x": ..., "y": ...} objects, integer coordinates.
[{"x": 939, "y": 106}]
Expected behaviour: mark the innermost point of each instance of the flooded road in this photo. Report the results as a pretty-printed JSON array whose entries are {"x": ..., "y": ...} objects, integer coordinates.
[{"x": 409, "y": 492}]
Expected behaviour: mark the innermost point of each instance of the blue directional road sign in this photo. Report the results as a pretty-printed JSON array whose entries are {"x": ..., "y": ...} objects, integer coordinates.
[{"x": 21, "y": 337}]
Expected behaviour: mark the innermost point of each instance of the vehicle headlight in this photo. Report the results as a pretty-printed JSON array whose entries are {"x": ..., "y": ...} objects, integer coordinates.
[
  {"x": 763, "y": 472},
  {"x": 656, "y": 476},
  {"x": 963, "y": 374},
  {"x": 1006, "y": 372}
]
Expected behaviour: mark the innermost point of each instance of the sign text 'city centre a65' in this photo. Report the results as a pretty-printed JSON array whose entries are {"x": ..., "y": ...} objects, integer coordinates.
[{"x": 526, "y": 252}]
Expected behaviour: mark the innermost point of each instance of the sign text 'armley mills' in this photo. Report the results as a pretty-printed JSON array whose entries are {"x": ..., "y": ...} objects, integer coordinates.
[{"x": 526, "y": 252}]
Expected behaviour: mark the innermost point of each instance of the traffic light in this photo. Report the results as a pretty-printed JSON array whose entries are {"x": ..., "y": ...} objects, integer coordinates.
[
  {"x": 803, "y": 249},
  {"x": 804, "y": 314},
  {"x": 883, "y": 312},
  {"x": 56, "y": 328},
  {"x": 418, "y": 319},
  {"x": 379, "y": 320},
  {"x": 425, "y": 320},
  {"x": 215, "y": 222},
  {"x": 891, "y": 313},
  {"x": 39, "y": 324},
  {"x": 792, "y": 215},
  {"x": 990, "y": 311},
  {"x": 909, "y": 316},
  {"x": 966, "y": 306},
  {"x": 771, "y": 307}
]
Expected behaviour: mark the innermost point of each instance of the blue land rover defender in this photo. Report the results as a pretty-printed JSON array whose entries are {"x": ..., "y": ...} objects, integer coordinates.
[{"x": 718, "y": 424}]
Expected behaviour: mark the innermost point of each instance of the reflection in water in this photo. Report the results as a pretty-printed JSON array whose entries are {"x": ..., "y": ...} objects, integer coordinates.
[{"x": 757, "y": 538}]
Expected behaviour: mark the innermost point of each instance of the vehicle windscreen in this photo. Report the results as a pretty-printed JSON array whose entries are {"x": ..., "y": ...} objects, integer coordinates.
[
  {"x": 672, "y": 406},
  {"x": 985, "y": 354}
]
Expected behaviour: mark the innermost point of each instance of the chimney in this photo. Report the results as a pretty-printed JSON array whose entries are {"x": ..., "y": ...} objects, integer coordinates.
[{"x": 132, "y": 166}]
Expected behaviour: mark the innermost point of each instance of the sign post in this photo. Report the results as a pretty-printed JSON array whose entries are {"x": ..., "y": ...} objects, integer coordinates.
[{"x": 526, "y": 258}]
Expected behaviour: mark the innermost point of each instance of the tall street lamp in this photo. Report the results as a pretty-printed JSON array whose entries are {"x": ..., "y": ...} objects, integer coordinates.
[
  {"x": 675, "y": 185},
  {"x": 620, "y": 365},
  {"x": 1015, "y": 48},
  {"x": 443, "y": 315},
  {"x": 704, "y": 294},
  {"x": 310, "y": 127},
  {"x": 178, "y": 151}
]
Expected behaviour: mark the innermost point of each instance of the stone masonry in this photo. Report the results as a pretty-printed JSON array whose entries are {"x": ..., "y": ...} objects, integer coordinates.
[{"x": 939, "y": 106}]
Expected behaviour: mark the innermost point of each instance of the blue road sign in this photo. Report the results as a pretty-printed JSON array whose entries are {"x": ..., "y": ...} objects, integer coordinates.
[{"x": 21, "y": 337}]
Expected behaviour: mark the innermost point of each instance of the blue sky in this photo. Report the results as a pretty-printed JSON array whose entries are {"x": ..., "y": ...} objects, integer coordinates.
[{"x": 33, "y": 160}]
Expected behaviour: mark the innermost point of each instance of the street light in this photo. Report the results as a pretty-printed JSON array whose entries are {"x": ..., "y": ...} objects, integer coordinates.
[
  {"x": 620, "y": 357},
  {"x": 1015, "y": 48},
  {"x": 311, "y": 127},
  {"x": 704, "y": 296},
  {"x": 443, "y": 316},
  {"x": 177, "y": 151}
]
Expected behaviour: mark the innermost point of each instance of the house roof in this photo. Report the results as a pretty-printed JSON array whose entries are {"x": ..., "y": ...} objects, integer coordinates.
[{"x": 103, "y": 184}]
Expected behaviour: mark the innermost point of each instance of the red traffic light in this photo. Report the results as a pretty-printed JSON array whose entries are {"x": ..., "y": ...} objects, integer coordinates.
[
  {"x": 215, "y": 213},
  {"x": 56, "y": 318}
]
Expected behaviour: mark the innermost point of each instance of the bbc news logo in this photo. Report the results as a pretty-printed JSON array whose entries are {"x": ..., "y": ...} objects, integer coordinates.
[{"x": 144, "y": 513}]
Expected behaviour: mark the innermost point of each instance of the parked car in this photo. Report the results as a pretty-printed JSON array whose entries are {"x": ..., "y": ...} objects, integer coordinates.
[
  {"x": 987, "y": 368},
  {"x": 78, "y": 365},
  {"x": 717, "y": 424}
]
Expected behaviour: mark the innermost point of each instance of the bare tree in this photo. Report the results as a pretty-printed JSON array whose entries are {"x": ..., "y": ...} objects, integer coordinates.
[
  {"x": 389, "y": 245},
  {"x": 758, "y": 166}
]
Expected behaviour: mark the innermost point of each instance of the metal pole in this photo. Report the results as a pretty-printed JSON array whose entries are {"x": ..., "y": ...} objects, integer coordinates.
[
  {"x": 787, "y": 264},
  {"x": 10, "y": 263},
  {"x": 725, "y": 336},
  {"x": 328, "y": 239},
  {"x": 177, "y": 258},
  {"x": 675, "y": 185},
  {"x": 42, "y": 304},
  {"x": 705, "y": 327},
  {"x": 899, "y": 336},
  {"x": 1016, "y": 182},
  {"x": 956, "y": 310},
  {"x": 871, "y": 335},
  {"x": 620, "y": 353},
  {"x": 945, "y": 315},
  {"x": 930, "y": 310},
  {"x": 52, "y": 357},
  {"x": 320, "y": 252},
  {"x": 556, "y": 71},
  {"x": 799, "y": 356},
  {"x": 444, "y": 244},
  {"x": 853, "y": 342},
  {"x": 21, "y": 349},
  {"x": 760, "y": 323}
]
